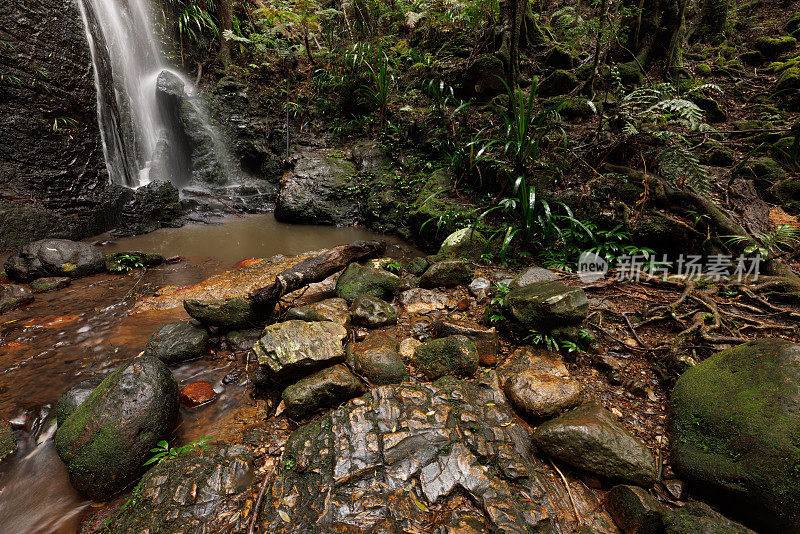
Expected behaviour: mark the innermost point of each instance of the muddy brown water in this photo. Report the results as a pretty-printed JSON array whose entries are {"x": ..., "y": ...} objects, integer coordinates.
[{"x": 85, "y": 329}]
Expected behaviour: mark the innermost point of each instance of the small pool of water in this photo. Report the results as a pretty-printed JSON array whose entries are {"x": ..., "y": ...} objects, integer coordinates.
[{"x": 65, "y": 336}]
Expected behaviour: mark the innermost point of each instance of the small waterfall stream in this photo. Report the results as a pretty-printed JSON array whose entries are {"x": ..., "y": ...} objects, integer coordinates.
[{"x": 153, "y": 125}]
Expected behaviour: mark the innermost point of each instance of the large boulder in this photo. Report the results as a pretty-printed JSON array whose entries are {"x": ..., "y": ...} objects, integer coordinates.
[
  {"x": 324, "y": 388},
  {"x": 447, "y": 273},
  {"x": 699, "y": 518},
  {"x": 634, "y": 510},
  {"x": 466, "y": 243},
  {"x": 734, "y": 427},
  {"x": 372, "y": 312},
  {"x": 590, "y": 438},
  {"x": 105, "y": 441},
  {"x": 402, "y": 451},
  {"x": 377, "y": 358},
  {"x": 12, "y": 296},
  {"x": 233, "y": 312},
  {"x": 177, "y": 342},
  {"x": 73, "y": 397},
  {"x": 452, "y": 355},
  {"x": 547, "y": 306},
  {"x": 294, "y": 348},
  {"x": 54, "y": 257},
  {"x": 357, "y": 280}
]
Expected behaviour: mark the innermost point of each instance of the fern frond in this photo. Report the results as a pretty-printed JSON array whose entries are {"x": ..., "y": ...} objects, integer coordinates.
[{"x": 681, "y": 168}]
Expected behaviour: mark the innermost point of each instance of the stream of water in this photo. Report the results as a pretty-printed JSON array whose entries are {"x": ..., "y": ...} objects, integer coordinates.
[{"x": 68, "y": 335}]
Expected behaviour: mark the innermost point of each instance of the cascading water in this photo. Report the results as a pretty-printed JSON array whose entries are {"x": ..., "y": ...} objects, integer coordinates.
[{"x": 152, "y": 123}]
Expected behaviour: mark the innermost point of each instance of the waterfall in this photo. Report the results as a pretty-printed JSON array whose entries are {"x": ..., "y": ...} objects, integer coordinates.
[{"x": 153, "y": 125}]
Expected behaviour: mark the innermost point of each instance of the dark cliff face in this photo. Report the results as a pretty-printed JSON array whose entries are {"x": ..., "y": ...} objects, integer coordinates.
[{"x": 53, "y": 180}]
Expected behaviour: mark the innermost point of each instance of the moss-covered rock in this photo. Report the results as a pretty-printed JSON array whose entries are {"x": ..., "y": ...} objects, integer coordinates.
[
  {"x": 73, "y": 397},
  {"x": 13, "y": 296},
  {"x": 703, "y": 69},
  {"x": 712, "y": 109},
  {"x": 466, "y": 243},
  {"x": 483, "y": 77},
  {"x": 429, "y": 214},
  {"x": 788, "y": 191},
  {"x": 735, "y": 430},
  {"x": 54, "y": 257},
  {"x": 334, "y": 310},
  {"x": 378, "y": 359},
  {"x": 560, "y": 82},
  {"x": 49, "y": 283},
  {"x": 752, "y": 57},
  {"x": 373, "y": 312},
  {"x": 716, "y": 154},
  {"x": 699, "y": 518},
  {"x": 8, "y": 441},
  {"x": 789, "y": 80},
  {"x": 629, "y": 72},
  {"x": 571, "y": 108},
  {"x": 105, "y": 441},
  {"x": 792, "y": 26},
  {"x": 767, "y": 170},
  {"x": 452, "y": 355},
  {"x": 774, "y": 46},
  {"x": 357, "y": 280},
  {"x": 447, "y": 273},
  {"x": 418, "y": 265},
  {"x": 292, "y": 349},
  {"x": 558, "y": 58},
  {"x": 324, "y": 388},
  {"x": 233, "y": 312}
]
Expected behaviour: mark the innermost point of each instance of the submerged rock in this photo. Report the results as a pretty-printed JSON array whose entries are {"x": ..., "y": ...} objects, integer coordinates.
[
  {"x": 191, "y": 492},
  {"x": 547, "y": 306},
  {"x": 734, "y": 427},
  {"x": 334, "y": 310},
  {"x": 591, "y": 439},
  {"x": 54, "y": 257},
  {"x": 389, "y": 456},
  {"x": 542, "y": 396},
  {"x": 105, "y": 441},
  {"x": 73, "y": 397},
  {"x": 324, "y": 388},
  {"x": 372, "y": 312},
  {"x": 12, "y": 296},
  {"x": 377, "y": 358},
  {"x": 357, "y": 280},
  {"x": 295, "y": 348},
  {"x": 197, "y": 394},
  {"x": 177, "y": 342},
  {"x": 453, "y": 355},
  {"x": 228, "y": 313},
  {"x": 50, "y": 283}
]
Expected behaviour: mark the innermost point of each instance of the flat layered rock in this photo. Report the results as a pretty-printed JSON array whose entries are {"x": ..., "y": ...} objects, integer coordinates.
[{"x": 295, "y": 348}]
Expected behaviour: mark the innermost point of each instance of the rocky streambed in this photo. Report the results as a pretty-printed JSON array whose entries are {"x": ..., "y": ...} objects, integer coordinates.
[{"x": 383, "y": 399}]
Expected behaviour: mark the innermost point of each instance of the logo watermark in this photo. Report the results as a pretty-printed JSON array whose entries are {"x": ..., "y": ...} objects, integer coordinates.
[{"x": 715, "y": 267}]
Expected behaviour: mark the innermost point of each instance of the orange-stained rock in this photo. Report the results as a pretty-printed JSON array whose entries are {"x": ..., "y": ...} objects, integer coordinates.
[
  {"x": 197, "y": 393},
  {"x": 247, "y": 263}
]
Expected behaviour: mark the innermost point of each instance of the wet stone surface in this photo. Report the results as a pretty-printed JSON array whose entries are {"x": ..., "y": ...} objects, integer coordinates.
[{"x": 400, "y": 450}]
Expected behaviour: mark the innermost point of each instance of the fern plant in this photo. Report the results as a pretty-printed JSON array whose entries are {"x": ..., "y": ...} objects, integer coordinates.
[{"x": 770, "y": 244}]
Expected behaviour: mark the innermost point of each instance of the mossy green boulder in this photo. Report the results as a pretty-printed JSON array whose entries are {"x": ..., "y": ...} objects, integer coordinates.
[
  {"x": 466, "y": 243},
  {"x": 105, "y": 441},
  {"x": 334, "y": 310},
  {"x": 357, "y": 280},
  {"x": 560, "y": 82},
  {"x": 69, "y": 401},
  {"x": 327, "y": 387},
  {"x": 789, "y": 80},
  {"x": 448, "y": 273},
  {"x": 292, "y": 349},
  {"x": 774, "y": 46},
  {"x": 228, "y": 313},
  {"x": 377, "y": 358},
  {"x": 372, "y": 312},
  {"x": 452, "y": 355},
  {"x": 735, "y": 430},
  {"x": 699, "y": 518}
]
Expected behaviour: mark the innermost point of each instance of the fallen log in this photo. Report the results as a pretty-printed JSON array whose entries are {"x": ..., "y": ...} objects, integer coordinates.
[{"x": 315, "y": 269}]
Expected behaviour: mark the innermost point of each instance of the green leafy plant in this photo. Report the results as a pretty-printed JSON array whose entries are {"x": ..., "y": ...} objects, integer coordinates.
[
  {"x": 769, "y": 244},
  {"x": 127, "y": 262},
  {"x": 393, "y": 266},
  {"x": 162, "y": 451},
  {"x": 495, "y": 311}
]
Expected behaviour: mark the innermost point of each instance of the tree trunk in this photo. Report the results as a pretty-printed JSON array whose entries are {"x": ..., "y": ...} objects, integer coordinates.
[
  {"x": 588, "y": 88},
  {"x": 225, "y": 16},
  {"x": 712, "y": 22},
  {"x": 518, "y": 30},
  {"x": 315, "y": 269},
  {"x": 654, "y": 23}
]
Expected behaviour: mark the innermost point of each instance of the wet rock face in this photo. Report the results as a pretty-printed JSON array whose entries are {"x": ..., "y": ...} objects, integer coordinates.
[
  {"x": 733, "y": 426},
  {"x": 389, "y": 455},
  {"x": 541, "y": 396},
  {"x": 448, "y": 273},
  {"x": 54, "y": 257},
  {"x": 295, "y": 348},
  {"x": 62, "y": 169},
  {"x": 466, "y": 243},
  {"x": 49, "y": 283},
  {"x": 105, "y": 441},
  {"x": 69, "y": 401},
  {"x": 191, "y": 493},
  {"x": 699, "y": 517},
  {"x": 150, "y": 207},
  {"x": 324, "y": 388},
  {"x": 486, "y": 339},
  {"x": 591, "y": 439},
  {"x": 177, "y": 342}
]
